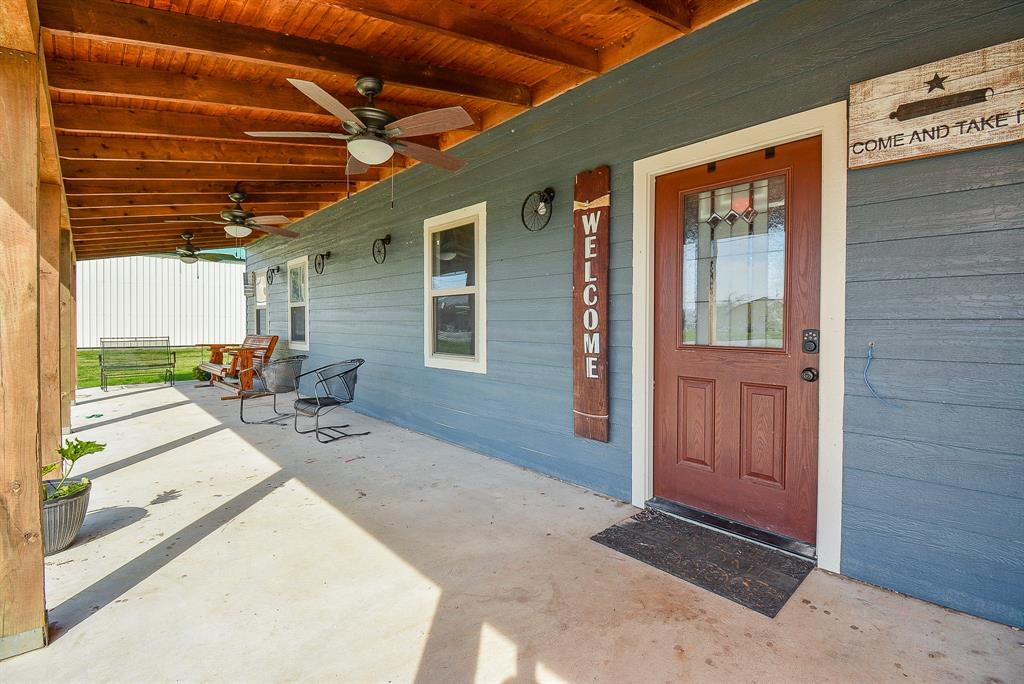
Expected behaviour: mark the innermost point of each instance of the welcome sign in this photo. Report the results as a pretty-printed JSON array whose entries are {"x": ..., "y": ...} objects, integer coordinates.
[
  {"x": 961, "y": 103},
  {"x": 590, "y": 247}
]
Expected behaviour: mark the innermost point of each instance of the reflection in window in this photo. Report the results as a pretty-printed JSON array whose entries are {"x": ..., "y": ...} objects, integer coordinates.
[
  {"x": 452, "y": 258},
  {"x": 734, "y": 261},
  {"x": 453, "y": 325}
]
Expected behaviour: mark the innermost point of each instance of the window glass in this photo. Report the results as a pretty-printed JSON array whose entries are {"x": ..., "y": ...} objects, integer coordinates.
[
  {"x": 261, "y": 321},
  {"x": 298, "y": 328},
  {"x": 261, "y": 289},
  {"x": 734, "y": 265},
  {"x": 297, "y": 284},
  {"x": 454, "y": 325},
  {"x": 452, "y": 256}
]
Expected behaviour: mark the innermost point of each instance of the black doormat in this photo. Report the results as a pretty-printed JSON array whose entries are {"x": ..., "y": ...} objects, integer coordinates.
[{"x": 752, "y": 575}]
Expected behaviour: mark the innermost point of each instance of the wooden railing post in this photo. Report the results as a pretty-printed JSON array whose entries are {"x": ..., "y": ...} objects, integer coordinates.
[{"x": 22, "y": 602}]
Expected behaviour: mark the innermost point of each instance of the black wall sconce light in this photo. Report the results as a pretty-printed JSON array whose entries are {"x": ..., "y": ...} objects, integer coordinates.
[
  {"x": 536, "y": 210},
  {"x": 380, "y": 248},
  {"x": 319, "y": 260},
  {"x": 270, "y": 274}
]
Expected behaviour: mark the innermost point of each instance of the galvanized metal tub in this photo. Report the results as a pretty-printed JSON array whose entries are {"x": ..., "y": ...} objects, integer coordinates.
[{"x": 63, "y": 518}]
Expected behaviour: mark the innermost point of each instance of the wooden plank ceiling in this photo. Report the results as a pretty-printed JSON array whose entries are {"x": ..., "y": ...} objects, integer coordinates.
[{"x": 150, "y": 98}]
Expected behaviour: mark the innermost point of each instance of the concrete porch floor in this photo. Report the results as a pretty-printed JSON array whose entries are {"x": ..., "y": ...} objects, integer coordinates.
[{"x": 216, "y": 551}]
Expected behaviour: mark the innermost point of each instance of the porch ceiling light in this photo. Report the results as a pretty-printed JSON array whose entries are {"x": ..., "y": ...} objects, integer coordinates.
[
  {"x": 370, "y": 150},
  {"x": 237, "y": 231},
  {"x": 189, "y": 258}
]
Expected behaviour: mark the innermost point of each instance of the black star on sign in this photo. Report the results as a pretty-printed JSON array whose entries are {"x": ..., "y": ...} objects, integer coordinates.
[{"x": 936, "y": 83}]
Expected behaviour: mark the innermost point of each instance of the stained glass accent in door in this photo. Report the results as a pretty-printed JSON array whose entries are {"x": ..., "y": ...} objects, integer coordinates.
[{"x": 734, "y": 265}]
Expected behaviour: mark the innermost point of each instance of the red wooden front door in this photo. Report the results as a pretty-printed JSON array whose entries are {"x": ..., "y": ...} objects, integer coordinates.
[{"x": 737, "y": 275}]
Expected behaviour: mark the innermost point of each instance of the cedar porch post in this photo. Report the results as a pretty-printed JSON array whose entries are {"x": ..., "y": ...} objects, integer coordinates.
[
  {"x": 22, "y": 605},
  {"x": 67, "y": 332},
  {"x": 50, "y": 396}
]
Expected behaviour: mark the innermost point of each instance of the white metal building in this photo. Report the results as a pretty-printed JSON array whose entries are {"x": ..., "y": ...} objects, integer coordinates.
[{"x": 154, "y": 297}]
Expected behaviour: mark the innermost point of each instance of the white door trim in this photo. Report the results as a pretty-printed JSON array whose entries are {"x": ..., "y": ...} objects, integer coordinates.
[{"x": 830, "y": 123}]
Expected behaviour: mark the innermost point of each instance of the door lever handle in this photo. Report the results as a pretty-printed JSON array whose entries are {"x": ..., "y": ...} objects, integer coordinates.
[{"x": 809, "y": 374}]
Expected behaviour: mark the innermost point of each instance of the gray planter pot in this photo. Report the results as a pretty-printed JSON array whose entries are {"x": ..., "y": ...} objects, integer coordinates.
[{"x": 63, "y": 518}]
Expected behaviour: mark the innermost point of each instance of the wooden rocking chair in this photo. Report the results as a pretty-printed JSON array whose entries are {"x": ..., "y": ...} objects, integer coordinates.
[{"x": 237, "y": 375}]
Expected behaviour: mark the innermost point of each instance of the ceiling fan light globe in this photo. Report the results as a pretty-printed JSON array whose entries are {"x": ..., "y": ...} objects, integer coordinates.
[
  {"x": 189, "y": 258},
  {"x": 370, "y": 150},
  {"x": 237, "y": 231}
]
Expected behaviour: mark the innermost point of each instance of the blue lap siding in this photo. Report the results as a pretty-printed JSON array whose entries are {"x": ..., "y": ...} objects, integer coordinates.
[{"x": 932, "y": 489}]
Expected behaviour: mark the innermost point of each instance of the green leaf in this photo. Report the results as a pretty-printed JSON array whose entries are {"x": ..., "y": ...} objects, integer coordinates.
[
  {"x": 49, "y": 468},
  {"x": 74, "y": 449}
]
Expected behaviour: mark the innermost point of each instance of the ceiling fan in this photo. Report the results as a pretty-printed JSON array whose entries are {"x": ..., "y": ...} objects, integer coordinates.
[
  {"x": 190, "y": 254},
  {"x": 374, "y": 134},
  {"x": 239, "y": 223}
]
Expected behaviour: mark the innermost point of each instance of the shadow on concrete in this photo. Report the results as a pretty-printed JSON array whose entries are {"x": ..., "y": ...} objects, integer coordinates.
[
  {"x": 130, "y": 416},
  {"x": 103, "y": 592},
  {"x": 100, "y": 523},
  {"x": 105, "y": 397},
  {"x": 155, "y": 451}
]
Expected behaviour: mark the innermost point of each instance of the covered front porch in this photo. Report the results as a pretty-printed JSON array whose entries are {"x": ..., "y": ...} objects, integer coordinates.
[{"x": 219, "y": 551}]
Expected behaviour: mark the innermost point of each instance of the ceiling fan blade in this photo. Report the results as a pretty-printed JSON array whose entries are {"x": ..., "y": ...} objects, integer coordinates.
[
  {"x": 162, "y": 255},
  {"x": 429, "y": 155},
  {"x": 325, "y": 100},
  {"x": 219, "y": 257},
  {"x": 298, "y": 134},
  {"x": 264, "y": 220},
  {"x": 189, "y": 220},
  {"x": 273, "y": 230},
  {"x": 354, "y": 167},
  {"x": 427, "y": 123}
]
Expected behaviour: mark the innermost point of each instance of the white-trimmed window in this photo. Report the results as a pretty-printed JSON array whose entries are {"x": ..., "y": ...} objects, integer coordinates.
[
  {"x": 455, "y": 290},
  {"x": 262, "y": 307},
  {"x": 298, "y": 303}
]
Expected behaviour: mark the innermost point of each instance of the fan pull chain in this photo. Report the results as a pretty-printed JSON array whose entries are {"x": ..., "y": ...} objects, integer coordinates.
[
  {"x": 392, "y": 181},
  {"x": 348, "y": 184}
]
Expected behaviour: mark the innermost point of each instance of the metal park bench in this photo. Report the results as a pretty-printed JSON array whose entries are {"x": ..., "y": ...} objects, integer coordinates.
[{"x": 125, "y": 356}]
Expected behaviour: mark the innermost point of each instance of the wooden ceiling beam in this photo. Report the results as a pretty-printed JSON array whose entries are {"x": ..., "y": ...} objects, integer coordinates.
[
  {"x": 97, "y": 78},
  {"x": 149, "y": 122},
  {"x": 100, "y": 233},
  {"x": 176, "y": 150},
  {"x": 189, "y": 209},
  {"x": 103, "y": 169},
  {"x": 138, "y": 188},
  {"x": 160, "y": 219},
  {"x": 451, "y": 19},
  {"x": 189, "y": 199},
  {"x": 125, "y": 23},
  {"x": 674, "y": 13}
]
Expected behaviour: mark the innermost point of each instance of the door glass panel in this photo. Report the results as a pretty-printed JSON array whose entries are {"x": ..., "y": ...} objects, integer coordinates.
[{"x": 734, "y": 263}]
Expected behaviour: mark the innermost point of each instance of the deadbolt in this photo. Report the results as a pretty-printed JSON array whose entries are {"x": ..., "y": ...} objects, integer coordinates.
[
  {"x": 810, "y": 341},
  {"x": 809, "y": 374}
]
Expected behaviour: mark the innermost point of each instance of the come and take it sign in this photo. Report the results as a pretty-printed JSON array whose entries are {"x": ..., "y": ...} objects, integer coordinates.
[
  {"x": 961, "y": 103},
  {"x": 590, "y": 247}
]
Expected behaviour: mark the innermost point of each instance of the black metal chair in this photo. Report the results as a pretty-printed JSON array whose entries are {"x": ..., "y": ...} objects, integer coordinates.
[
  {"x": 335, "y": 386},
  {"x": 277, "y": 377}
]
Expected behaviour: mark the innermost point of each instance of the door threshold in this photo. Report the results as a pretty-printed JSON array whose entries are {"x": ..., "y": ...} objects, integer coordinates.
[{"x": 731, "y": 527}]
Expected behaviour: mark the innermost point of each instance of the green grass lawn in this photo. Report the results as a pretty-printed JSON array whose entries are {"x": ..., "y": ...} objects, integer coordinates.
[{"x": 186, "y": 359}]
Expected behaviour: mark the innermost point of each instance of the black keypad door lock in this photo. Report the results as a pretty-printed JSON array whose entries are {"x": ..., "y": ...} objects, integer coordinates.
[
  {"x": 809, "y": 374},
  {"x": 810, "y": 341}
]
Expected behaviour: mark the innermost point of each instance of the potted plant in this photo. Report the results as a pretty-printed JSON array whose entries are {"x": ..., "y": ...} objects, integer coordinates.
[{"x": 65, "y": 502}]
